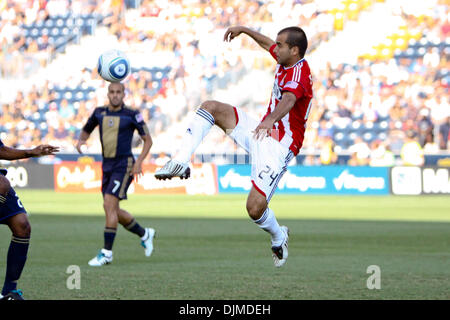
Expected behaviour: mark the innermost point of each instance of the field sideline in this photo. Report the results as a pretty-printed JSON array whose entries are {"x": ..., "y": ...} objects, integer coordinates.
[
  {"x": 207, "y": 248},
  {"x": 425, "y": 208}
]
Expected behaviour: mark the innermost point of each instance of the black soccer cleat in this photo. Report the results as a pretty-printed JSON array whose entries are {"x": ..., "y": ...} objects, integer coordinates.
[
  {"x": 280, "y": 254},
  {"x": 13, "y": 295}
]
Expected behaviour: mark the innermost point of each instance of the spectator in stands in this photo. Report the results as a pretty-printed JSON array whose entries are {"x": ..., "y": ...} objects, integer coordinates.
[
  {"x": 408, "y": 94},
  {"x": 444, "y": 135},
  {"x": 66, "y": 110},
  {"x": 360, "y": 152},
  {"x": 327, "y": 153},
  {"x": 425, "y": 127},
  {"x": 380, "y": 155},
  {"x": 412, "y": 153},
  {"x": 61, "y": 132},
  {"x": 430, "y": 145}
]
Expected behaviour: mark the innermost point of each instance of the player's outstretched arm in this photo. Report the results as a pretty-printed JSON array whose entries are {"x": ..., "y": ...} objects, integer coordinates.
[
  {"x": 7, "y": 153},
  {"x": 264, "y": 41}
]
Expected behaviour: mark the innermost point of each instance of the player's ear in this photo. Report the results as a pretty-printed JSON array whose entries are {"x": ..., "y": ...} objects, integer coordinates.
[{"x": 295, "y": 50}]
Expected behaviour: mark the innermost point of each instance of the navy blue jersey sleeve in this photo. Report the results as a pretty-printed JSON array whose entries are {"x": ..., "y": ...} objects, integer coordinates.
[
  {"x": 91, "y": 123},
  {"x": 139, "y": 123},
  {"x": 1, "y": 143}
]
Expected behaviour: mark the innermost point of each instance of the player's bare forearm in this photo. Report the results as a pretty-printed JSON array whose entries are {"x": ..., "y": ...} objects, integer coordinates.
[
  {"x": 7, "y": 153},
  {"x": 284, "y": 106},
  {"x": 83, "y": 136},
  {"x": 148, "y": 142},
  {"x": 82, "y": 140},
  {"x": 263, "y": 41}
]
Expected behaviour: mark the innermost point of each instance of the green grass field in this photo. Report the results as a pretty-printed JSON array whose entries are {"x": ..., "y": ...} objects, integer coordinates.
[{"x": 207, "y": 248}]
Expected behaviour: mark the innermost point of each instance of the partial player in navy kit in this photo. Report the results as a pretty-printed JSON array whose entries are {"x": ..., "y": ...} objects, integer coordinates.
[
  {"x": 14, "y": 215},
  {"x": 117, "y": 124}
]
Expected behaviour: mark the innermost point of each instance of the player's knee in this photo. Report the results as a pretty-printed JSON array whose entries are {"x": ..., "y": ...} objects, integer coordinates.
[
  {"x": 5, "y": 186},
  {"x": 256, "y": 209},
  {"x": 210, "y": 106},
  {"x": 111, "y": 207},
  {"x": 22, "y": 229}
]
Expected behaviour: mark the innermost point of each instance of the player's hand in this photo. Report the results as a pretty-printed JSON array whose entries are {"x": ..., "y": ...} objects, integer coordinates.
[
  {"x": 263, "y": 130},
  {"x": 232, "y": 33},
  {"x": 44, "y": 150},
  {"x": 137, "y": 171},
  {"x": 79, "y": 144}
]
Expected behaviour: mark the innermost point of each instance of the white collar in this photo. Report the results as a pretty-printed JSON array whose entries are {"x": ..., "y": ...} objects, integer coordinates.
[{"x": 285, "y": 68}]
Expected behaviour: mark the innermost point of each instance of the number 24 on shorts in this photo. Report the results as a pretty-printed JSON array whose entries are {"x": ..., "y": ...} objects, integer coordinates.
[{"x": 271, "y": 173}]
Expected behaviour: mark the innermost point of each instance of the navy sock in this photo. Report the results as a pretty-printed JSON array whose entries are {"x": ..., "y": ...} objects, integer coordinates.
[
  {"x": 110, "y": 234},
  {"x": 16, "y": 258},
  {"x": 135, "y": 228}
]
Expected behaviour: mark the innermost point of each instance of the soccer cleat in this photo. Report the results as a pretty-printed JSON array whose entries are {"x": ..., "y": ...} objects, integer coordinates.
[
  {"x": 280, "y": 254},
  {"x": 148, "y": 243},
  {"x": 13, "y": 295},
  {"x": 101, "y": 259},
  {"x": 173, "y": 169}
]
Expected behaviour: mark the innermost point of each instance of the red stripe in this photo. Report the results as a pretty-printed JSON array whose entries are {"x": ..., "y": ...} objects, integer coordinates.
[
  {"x": 236, "y": 114},
  {"x": 281, "y": 130},
  {"x": 258, "y": 189}
]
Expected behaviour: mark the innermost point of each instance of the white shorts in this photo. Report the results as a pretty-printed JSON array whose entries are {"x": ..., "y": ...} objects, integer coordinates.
[{"x": 268, "y": 157}]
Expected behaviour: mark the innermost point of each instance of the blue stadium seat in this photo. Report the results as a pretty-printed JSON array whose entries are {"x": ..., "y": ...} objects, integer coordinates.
[
  {"x": 55, "y": 32},
  {"x": 49, "y": 23},
  {"x": 60, "y": 23},
  {"x": 382, "y": 136},
  {"x": 368, "y": 137},
  {"x": 383, "y": 126},
  {"x": 339, "y": 137},
  {"x": 34, "y": 32},
  {"x": 79, "y": 95},
  {"x": 39, "y": 24},
  {"x": 65, "y": 31}
]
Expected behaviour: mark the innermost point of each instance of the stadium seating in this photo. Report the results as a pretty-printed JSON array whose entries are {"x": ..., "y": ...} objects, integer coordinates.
[{"x": 153, "y": 87}]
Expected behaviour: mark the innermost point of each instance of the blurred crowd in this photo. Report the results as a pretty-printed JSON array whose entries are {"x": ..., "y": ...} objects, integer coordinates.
[
  {"x": 405, "y": 94},
  {"x": 21, "y": 55}
]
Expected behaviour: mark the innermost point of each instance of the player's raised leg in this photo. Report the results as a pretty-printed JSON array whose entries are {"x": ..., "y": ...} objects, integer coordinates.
[
  {"x": 265, "y": 218},
  {"x": 146, "y": 234},
  {"x": 17, "y": 255},
  {"x": 208, "y": 114}
]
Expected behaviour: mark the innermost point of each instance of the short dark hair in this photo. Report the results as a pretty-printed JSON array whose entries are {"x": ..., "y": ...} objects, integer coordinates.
[{"x": 296, "y": 38}]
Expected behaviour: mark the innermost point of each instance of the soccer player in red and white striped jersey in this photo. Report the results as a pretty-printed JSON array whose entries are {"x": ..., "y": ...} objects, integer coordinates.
[
  {"x": 271, "y": 142},
  {"x": 297, "y": 80}
]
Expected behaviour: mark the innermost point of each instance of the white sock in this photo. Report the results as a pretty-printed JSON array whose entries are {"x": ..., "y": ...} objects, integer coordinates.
[
  {"x": 145, "y": 236},
  {"x": 269, "y": 223},
  {"x": 196, "y": 131},
  {"x": 107, "y": 253}
]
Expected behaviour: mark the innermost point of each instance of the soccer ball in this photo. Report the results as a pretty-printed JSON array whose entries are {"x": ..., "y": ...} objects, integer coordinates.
[{"x": 113, "y": 66}]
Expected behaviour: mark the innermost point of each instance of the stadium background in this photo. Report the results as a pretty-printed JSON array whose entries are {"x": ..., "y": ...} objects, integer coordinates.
[{"x": 379, "y": 125}]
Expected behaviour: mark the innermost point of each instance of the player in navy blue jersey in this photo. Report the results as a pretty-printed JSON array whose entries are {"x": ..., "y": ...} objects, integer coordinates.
[
  {"x": 117, "y": 124},
  {"x": 14, "y": 215}
]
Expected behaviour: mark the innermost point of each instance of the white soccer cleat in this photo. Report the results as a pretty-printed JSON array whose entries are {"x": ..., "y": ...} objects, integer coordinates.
[
  {"x": 148, "y": 243},
  {"x": 101, "y": 259},
  {"x": 280, "y": 254},
  {"x": 172, "y": 169}
]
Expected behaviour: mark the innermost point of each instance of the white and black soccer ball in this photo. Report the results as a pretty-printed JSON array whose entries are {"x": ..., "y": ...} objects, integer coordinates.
[{"x": 113, "y": 66}]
